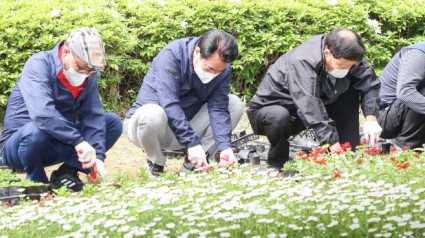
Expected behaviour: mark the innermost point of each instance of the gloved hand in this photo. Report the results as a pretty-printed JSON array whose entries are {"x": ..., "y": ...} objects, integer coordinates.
[
  {"x": 372, "y": 130},
  {"x": 100, "y": 166},
  {"x": 227, "y": 158},
  {"x": 196, "y": 156},
  {"x": 97, "y": 172},
  {"x": 86, "y": 154}
]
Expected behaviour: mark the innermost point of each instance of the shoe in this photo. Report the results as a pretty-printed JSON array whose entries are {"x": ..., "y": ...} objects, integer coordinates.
[
  {"x": 187, "y": 167},
  {"x": 66, "y": 176},
  {"x": 154, "y": 169},
  {"x": 148, "y": 163}
]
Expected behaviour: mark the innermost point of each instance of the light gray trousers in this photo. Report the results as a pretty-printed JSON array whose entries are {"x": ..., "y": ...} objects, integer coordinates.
[{"x": 148, "y": 129}]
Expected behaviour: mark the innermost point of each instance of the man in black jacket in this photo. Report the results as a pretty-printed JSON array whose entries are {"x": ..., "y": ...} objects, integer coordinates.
[{"x": 317, "y": 85}]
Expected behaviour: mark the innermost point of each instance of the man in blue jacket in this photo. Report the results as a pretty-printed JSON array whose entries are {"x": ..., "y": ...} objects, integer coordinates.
[
  {"x": 402, "y": 114},
  {"x": 54, "y": 113},
  {"x": 184, "y": 102}
]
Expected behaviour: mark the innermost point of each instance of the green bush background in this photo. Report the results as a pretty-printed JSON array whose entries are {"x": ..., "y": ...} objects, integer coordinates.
[{"x": 134, "y": 31}]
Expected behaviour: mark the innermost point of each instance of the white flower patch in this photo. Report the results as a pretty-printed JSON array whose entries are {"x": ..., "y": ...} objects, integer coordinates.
[
  {"x": 354, "y": 226},
  {"x": 265, "y": 220},
  {"x": 332, "y": 224},
  {"x": 295, "y": 227},
  {"x": 403, "y": 218},
  {"x": 389, "y": 227},
  {"x": 417, "y": 225},
  {"x": 373, "y": 220}
]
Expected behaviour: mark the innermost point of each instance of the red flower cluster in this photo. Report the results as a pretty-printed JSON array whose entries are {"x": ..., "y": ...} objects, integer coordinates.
[
  {"x": 346, "y": 146},
  {"x": 373, "y": 150},
  {"x": 404, "y": 165}
]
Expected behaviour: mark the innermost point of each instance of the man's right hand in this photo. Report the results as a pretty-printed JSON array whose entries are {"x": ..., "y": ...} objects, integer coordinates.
[
  {"x": 196, "y": 155},
  {"x": 86, "y": 154}
]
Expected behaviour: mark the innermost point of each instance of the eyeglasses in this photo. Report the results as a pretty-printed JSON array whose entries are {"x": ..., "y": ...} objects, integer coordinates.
[{"x": 82, "y": 69}]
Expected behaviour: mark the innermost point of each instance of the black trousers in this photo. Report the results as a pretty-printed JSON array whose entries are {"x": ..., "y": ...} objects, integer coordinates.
[
  {"x": 278, "y": 123},
  {"x": 401, "y": 123}
]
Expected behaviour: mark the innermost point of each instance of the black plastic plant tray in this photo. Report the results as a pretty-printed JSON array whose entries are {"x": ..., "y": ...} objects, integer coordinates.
[{"x": 14, "y": 194}]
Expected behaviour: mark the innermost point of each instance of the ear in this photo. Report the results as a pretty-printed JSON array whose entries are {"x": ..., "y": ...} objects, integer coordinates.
[
  {"x": 197, "y": 50},
  {"x": 327, "y": 52}
]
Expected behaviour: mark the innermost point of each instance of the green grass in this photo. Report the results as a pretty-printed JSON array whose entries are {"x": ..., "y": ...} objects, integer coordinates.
[{"x": 345, "y": 195}]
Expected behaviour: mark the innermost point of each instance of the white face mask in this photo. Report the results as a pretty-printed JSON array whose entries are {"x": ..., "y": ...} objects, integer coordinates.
[
  {"x": 339, "y": 73},
  {"x": 204, "y": 76},
  {"x": 74, "y": 78}
]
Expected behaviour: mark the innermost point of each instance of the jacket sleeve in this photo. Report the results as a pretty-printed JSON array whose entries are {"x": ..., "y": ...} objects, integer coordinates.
[
  {"x": 367, "y": 83},
  {"x": 92, "y": 119},
  {"x": 37, "y": 93},
  {"x": 218, "y": 109},
  {"x": 167, "y": 79},
  {"x": 303, "y": 85}
]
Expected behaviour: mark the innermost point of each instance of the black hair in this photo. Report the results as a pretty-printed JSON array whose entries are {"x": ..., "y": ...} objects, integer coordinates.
[
  {"x": 345, "y": 43},
  {"x": 221, "y": 42}
]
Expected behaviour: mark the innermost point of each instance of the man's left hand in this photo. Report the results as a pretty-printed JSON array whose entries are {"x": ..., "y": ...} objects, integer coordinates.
[
  {"x": 227, "y": 158},
  {"x": 372, "y": 130}
]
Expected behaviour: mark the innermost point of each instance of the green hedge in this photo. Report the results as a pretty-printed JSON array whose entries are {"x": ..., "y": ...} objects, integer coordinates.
[{"x": 134, "y": 31}]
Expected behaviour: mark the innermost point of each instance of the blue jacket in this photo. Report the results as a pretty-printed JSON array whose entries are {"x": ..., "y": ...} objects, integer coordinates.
[
  {"x": 39, "y": 97},
  {"x": 172, "y": 83}
]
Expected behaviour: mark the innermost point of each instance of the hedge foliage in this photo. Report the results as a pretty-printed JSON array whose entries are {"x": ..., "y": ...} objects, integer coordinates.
[{"x": 135, "y": 30}]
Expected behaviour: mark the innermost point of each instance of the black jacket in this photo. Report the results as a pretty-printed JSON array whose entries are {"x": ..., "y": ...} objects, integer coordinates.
[{"x": 298, "y": 81}]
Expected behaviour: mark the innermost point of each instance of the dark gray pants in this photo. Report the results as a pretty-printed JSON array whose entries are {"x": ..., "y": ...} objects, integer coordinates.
[
  {"x": 278, "y": 123},
  {"x": 401, "y": 123}
]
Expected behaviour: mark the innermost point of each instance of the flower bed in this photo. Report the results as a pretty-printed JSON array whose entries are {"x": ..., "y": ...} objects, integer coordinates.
[{"x": 343, "y": 194}]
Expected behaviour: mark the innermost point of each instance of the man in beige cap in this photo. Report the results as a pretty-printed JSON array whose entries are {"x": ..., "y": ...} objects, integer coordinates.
[{"x": 54, "y": 114}]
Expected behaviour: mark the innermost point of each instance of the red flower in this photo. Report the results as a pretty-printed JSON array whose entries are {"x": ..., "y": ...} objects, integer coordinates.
[
  {"x": 338, "y": 152},
  {"x": 406, "y": 147},
  {"x": 364, "y": 141},
  {"x": 313, "y": 156},
  {"x": 337, "y": 174},
  {"x": 346, "y": 146},
  {"x": 404, "y": 165},
  {"x": 373, "y": 150},
  {"x": 416, "y": 154},
  {"x": 393, "y": 149}
]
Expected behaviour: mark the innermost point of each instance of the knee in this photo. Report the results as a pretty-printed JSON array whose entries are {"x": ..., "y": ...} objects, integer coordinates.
[
  {"x": 278, "y": 120},
  {"x": 113, "y": 121},
  {"x": 152, "y": 116},
  {"x": 33, "y": 135}
]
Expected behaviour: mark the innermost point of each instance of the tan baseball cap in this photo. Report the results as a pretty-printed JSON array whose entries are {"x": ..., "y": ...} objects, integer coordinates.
[{"x": 86, "y": 43}]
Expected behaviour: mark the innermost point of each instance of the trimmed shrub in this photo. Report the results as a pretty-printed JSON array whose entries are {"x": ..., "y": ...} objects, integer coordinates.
[{"x": 135, "y": 30}]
